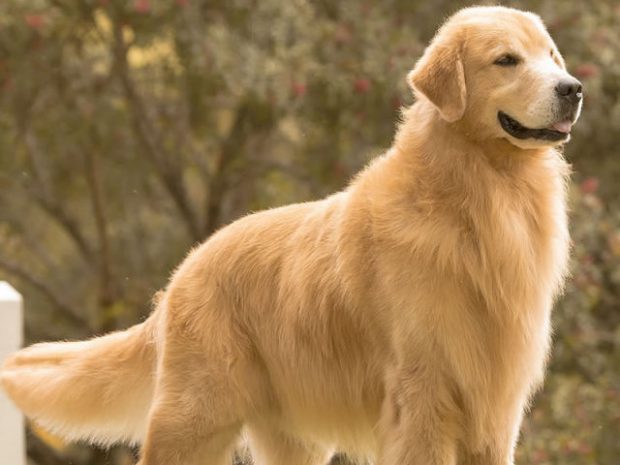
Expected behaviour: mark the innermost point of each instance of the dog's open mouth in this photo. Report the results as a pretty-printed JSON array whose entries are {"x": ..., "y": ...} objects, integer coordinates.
[{"x": 557, "y": 132}]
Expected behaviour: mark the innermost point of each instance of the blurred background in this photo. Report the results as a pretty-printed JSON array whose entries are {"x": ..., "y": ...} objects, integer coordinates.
[{"x": 131, "y": 129}]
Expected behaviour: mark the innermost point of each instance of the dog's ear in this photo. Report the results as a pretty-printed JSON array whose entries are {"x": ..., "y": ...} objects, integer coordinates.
[{"x": 440, "y": 77}]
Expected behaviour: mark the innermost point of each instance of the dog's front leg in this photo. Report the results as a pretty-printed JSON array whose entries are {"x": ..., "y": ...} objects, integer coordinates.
[
  {"x": 494, "y": 443},
  {"x": 420, "y": 416}
]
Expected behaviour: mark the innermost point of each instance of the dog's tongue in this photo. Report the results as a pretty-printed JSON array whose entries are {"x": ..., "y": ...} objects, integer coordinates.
[{"x": 563, "y": 126}]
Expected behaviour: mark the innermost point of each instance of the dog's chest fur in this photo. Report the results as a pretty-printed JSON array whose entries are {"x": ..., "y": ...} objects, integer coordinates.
[{"x": 499, "y": 242}]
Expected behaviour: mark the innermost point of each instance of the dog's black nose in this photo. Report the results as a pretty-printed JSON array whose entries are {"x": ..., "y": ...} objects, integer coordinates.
[{"x": 570, "y": 89}]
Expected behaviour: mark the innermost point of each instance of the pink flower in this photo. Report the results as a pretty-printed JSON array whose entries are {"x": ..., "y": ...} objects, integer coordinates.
[
  {"x": 343, "y": 34},
  {"x": 362, "y": 85},
  {"x": 7, "y": 83},
  {"x": 540, "y": 455},
  {"x": 35, "y": 21},
  {"x": 589, "y": 185},
  {"x": 142, "y": 6},
  {"x": 587, "y": 70},
  {"x": 584, "y": 448},
  {"x": 340, "y": 170},
  {"x": 299, "y": 89},
  {"x": 397, "y": 102}
]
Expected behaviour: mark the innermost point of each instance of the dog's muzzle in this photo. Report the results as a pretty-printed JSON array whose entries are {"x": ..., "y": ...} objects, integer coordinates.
[{"x": 569, "y": 93}]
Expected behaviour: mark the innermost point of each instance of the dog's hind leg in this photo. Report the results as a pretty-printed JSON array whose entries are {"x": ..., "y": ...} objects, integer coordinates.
[
  {"x": 174, "y": 443},
  {"x": 193, "y": 421},
  {"x": 271, "y": 446},
  {"x": 206, "y": 387}
]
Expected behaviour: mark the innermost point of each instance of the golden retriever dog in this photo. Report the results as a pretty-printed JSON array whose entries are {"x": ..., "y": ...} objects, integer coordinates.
[{"x": 405, "y": 320}]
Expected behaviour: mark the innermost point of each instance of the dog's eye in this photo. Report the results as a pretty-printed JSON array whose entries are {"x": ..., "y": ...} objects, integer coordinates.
[{"x": 507, "y": 60}]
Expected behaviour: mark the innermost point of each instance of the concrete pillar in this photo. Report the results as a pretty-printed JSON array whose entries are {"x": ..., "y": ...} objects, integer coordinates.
[{"x": 12, "y": 440}]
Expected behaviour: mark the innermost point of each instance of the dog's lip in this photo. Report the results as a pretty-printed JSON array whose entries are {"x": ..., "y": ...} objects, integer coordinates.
[{"x": 557, "y": 132}]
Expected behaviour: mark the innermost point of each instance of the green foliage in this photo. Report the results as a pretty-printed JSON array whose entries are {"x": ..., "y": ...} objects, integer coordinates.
[{"x": 131, "y": 129}]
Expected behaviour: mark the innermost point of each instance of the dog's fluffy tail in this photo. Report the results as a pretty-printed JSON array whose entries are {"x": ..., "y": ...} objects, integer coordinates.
[{"x": 99, "y": 390}]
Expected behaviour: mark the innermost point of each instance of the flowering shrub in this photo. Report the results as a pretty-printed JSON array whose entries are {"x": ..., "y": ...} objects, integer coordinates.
[{"x": 576, "y": 417}]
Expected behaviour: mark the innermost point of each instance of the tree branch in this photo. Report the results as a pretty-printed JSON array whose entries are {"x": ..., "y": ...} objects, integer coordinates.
[
  {"x": 43, "y": 194},
  {"x": 218, "y": 176},
  {"x": 106, "y": 288},
  {"x": 31, "y": 243},
  {"x": 63, "y": 308},
  {"x": 169, "y": 173}
]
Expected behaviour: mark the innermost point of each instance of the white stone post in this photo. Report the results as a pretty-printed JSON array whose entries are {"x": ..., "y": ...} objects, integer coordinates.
[{"x": 12, "y": 441}]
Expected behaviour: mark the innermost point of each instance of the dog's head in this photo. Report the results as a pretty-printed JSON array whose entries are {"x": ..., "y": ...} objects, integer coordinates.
[{"x": 497, "y": 71}]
